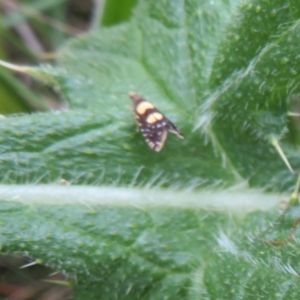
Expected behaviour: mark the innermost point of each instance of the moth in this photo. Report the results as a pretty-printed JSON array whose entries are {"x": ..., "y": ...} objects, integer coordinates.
[{"x": 152, "y": 123}]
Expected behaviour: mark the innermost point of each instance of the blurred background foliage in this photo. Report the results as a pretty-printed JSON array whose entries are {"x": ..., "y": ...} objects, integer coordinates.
[{"x": 32, "y": 31}]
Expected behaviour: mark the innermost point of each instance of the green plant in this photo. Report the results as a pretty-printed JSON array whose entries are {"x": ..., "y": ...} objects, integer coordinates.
[{"x": 185, "y": 223}]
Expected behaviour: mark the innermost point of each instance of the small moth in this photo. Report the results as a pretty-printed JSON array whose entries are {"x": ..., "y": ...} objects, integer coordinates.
[{"x": 152, "y": 123}]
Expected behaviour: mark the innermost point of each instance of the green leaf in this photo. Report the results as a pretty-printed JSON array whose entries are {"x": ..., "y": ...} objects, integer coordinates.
[
  {"x": 12, "y": 100},
  {"x": 115, "y": 12},
  {"x": 15, "y": 97},
  {"x": 146, "y": 244},
  {"x": 159, "y": 226}
]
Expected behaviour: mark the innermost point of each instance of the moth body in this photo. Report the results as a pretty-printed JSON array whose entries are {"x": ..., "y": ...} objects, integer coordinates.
[{"x": 152, "y": 123}]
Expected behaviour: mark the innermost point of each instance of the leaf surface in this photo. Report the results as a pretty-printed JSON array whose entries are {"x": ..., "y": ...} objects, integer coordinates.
[{"x": 225, "y": 72}]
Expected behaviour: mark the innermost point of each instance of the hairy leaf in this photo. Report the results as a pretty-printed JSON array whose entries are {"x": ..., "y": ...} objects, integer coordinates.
[{"x": 160, "y": 226}]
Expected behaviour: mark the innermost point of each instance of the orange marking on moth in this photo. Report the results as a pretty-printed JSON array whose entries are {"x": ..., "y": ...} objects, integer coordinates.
[
  {"x": 143, "y": 106},
  {"x": 152, "y": 118}
]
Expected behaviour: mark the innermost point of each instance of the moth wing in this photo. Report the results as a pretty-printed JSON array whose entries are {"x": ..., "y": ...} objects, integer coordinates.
[
  {"x": 155, "y": 137},
  {"x": 173, "y": 129}
]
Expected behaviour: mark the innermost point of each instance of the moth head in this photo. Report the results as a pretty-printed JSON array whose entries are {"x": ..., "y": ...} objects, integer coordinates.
[{"x": 134, "y": 97}]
